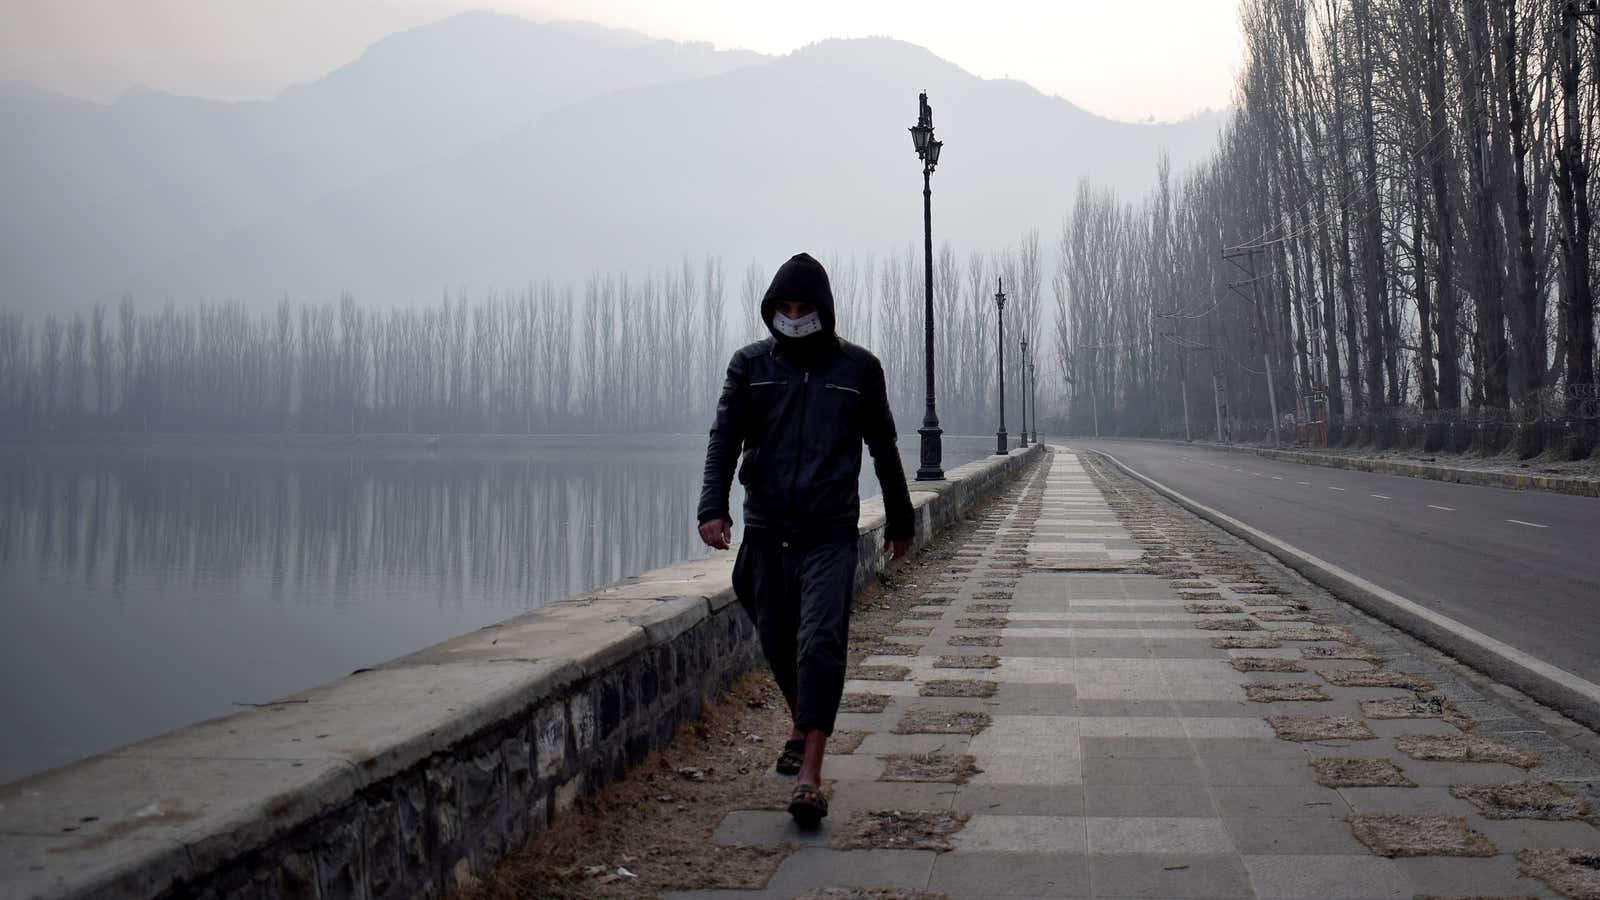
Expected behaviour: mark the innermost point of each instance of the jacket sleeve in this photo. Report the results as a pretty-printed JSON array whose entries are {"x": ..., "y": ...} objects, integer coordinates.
[
  {"x": 878, "y": 432},
  {"x": 727, "y": 438}
]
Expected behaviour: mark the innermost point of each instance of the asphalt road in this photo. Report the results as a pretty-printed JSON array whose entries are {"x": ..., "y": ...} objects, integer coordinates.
[{"x": 1520, "y": 566}]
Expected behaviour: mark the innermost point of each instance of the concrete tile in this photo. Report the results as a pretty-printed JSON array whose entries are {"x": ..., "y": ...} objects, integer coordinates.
[
  {"x": 1021, "y": 800},
  {"x": 1035, "y": 770},
  {"x": 811, "y": 867},
  {"x": 1417, "y": 801},
  {"x": 1248, "y": 772},
  {"x": 1012, "y": 834},
  {"x": 1013, "y": 875},
  {"x": 848, "y": 797},
  {"x": 1281, "y": 801},
  {"x": 1517, "y": 833},
  {"x": 763, "y": 828},
  {"x": 1323, "y": 877},
  {"x": 1167, "y": 875},
  {"x": 1227, "y": 727},
  {"x": 1157, "y": 835},
  {"x": 1466, "y": 877},
  {"x": 1444, "y": 774},
  {"x": 1146, "y": 771},
  {"x": 1258, "y": 835},
  {"x": 1147, "y": 801},
  {"x": 882, "y": 743},
  {"x": 1132, "y": 748},
  {"x": 1259, "y": 748},
  {"x": 1129, "y": 708}
]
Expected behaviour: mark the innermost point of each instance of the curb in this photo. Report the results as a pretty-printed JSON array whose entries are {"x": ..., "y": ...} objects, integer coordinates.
[
  {"x": 1575, "y": 697},
  {"x": 1556, "y": 484}
]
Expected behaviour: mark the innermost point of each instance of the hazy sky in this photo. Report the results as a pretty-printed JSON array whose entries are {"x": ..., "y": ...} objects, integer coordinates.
[{"x": 1127, "y": 60}]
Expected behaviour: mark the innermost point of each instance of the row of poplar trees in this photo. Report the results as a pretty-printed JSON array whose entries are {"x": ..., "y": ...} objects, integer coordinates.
[
  {"x": 1395, "y": 227},
  {"x": 643, "y": 353}
]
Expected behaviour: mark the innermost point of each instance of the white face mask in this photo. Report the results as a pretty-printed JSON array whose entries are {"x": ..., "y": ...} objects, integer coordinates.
[{"x": 810, "y": 323}]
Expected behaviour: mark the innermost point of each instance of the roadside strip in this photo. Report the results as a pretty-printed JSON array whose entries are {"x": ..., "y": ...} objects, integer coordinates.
[
  {"x": 1556, "y": 484},
  {"x": 1557, "y": 688}
]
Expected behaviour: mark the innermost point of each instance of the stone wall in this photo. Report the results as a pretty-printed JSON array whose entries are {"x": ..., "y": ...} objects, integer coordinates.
[{"x": 404, "y": 779}]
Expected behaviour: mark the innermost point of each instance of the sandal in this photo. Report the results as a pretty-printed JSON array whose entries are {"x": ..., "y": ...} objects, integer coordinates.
[
  {"x": 808, "y": 805},
  {"x": 789, "y": 760}
]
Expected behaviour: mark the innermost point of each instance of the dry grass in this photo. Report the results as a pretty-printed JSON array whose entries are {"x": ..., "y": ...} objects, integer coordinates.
[{"x": 1398, "y": 836}]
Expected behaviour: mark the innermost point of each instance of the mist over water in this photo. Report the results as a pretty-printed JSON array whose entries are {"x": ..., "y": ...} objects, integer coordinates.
[{"x": 144, "y": 591}]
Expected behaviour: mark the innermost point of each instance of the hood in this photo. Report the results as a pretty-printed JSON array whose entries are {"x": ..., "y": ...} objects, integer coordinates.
[{"x": 804, "y": 279}]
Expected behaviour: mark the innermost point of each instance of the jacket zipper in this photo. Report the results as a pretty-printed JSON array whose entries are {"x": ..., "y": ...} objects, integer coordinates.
[
  {"x": 794, "y": 479},
  {"x": 840, "y": 387}
]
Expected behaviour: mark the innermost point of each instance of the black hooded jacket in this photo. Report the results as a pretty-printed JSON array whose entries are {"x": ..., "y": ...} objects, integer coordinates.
[{"x": 797, "y": 411}]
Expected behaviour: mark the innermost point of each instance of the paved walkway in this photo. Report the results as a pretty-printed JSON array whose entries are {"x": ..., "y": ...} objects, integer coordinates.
[{"x": 1112, "y": 699}]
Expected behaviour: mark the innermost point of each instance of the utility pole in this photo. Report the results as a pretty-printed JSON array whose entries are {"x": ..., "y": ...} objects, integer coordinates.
[{"x": 1249, "y": 252}]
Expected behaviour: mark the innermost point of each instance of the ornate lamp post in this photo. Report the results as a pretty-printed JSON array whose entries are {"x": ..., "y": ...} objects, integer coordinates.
[
  {"x": 1023, "y": 390},
  {"x": 1000, "y": 447},
  {"x": 1033, "y": 399},
  {"x": 928, "y": 151}
]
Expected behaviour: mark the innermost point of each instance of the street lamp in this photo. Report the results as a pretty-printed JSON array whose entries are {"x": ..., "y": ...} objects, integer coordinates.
[
  {"x": 928, "y": 151},
  {"x": 1000, "y": 448},
  {"x": 1022, "y": 385}
]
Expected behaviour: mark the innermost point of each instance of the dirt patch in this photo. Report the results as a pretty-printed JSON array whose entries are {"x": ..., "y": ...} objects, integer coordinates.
[
  {"x": 958, "y": 687},
  {"x": 1320, "y": 728},
  {"x": 991, "y": 608},
  {"x": 877, "y": 673},
  {"x": 1342, "y": 651},
  {"x": 1246, "y": 642},
  {"x": 1430, "y": 706},
  {"x": 936, "y": 600},
  {"x": 846, "y": 740},
  {"x": 935, "y": 767},
  {"x": 1212, "y": 609},
  {"x": 1202, "y": 595},
  {"x": 1291, "y": 617},
  {"x": 889, "y": 648},
  {"x": 1397, "y": 836},
  {"x": 1194, "y": 584},
  {"x": 900, "y": 829},
  {"x": 967, "y": 662},
  {"x": 1337, "y": 772},
  {"x": 1376, "y": 678},
  {"x": 912, "y": 630},
  {"x": 1315, "y": 634},
  {"x": 850, "y": 893},
  {"x": 1228, "y": 625},
  {"x": 1002, "y": 583},
  {"x": 983, "y": 622},
  {"x": 1463, "y": 748},
  {"x": 974, "y": 640},
  {"x": 942, "y": 721},
  {"x": 1522, "y": 800},
  {"x": 992, "y": 595},
  {"x": 863, "y": 703},
  {"x": 1274, "y": 693},
  {"x": 1264, "y": 664},
  {"x": 657, "y": 823},
  {"x": 1575, "y": 873}
]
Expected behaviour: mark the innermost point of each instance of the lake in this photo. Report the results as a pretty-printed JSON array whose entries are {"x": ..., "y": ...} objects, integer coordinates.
[{"x": 145, "y": 590}]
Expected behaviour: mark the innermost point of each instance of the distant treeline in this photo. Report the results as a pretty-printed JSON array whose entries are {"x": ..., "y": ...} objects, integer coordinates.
[
  {"x": 1409, "y": 183},
  {"x": 617, "y": 354}
]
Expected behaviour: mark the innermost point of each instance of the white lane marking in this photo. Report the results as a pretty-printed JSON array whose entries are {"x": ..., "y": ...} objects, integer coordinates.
[
  {"x": 1306, "y": 483},
  {"x": 1277, "y": 478},
  {"x": 1529, "y": 524},
  {"x": 1332, "y": 488},
  {"x": 1445, "y": 508},
  {"x": 1256, "y": 474},
  {"x": 1578, "y": 685},
  {"x": 1380, "y": 496}
]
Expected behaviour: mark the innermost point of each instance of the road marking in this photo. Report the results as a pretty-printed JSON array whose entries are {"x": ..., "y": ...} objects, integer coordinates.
[
  {"x": 1564, "y": 680},
  {"x": 1306, "y": 483},
  {"x": 1529, "y": 524},
  {"x": 1445, "y": 508},
  {"x": 1332, "y": 488},
  {"x": 1380, "y": 496},
  {"x": 1256, "y": 474},
  {"x": 1277, "y": 478}
]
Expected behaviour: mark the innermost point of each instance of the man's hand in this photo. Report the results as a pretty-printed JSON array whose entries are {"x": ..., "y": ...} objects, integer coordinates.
[
  {"x": 716, "y": 533},
  {"x": 897, "y": 548}
]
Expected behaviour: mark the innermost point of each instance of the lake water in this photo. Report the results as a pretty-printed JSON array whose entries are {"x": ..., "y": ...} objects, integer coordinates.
[{"x": 141, "y": 591}]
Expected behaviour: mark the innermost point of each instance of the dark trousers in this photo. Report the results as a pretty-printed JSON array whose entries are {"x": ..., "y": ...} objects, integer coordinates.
[{"x": 798, "y": 596}]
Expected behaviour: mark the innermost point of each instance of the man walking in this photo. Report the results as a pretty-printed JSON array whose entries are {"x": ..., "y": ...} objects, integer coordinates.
[{"x": 794, "y": 411}]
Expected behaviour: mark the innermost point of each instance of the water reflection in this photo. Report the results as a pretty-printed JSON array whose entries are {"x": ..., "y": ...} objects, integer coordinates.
[{"x": 140, "y": 592}]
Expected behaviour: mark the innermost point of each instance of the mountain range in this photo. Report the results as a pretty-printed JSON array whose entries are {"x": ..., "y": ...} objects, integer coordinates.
[{"x": 487, "y": 151}]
